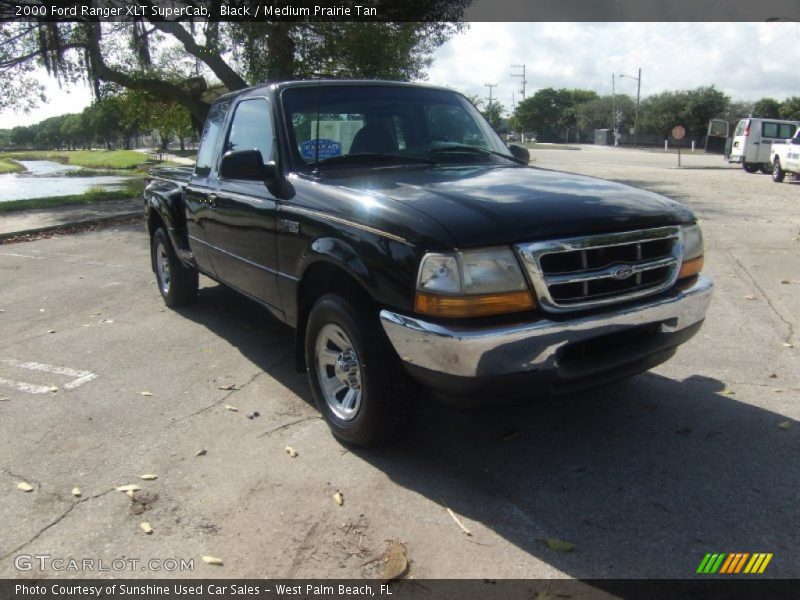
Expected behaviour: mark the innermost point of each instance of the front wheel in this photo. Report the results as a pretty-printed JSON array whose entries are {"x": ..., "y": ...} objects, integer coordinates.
[
  {"x": 177, "y": 283},
  {"x": 750, "y": 167},
  {"x": 778, "y": 174},
  {"x": 765, "y": 168},
  {"x": 358, "y": 383}
]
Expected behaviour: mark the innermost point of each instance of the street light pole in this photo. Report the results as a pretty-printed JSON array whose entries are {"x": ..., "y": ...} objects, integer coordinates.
[{"x": 638, "y": 95}]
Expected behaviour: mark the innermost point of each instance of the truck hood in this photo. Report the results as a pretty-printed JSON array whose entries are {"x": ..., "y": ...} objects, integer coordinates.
[{"x": 488, "y": 204}]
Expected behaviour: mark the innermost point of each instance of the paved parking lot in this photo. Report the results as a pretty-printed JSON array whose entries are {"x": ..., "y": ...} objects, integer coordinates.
[{"x": 101, "y": 384}]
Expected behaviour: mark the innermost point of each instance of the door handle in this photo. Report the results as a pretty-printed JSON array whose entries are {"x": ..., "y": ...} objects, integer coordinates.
[{"x": 212, "y": 199}]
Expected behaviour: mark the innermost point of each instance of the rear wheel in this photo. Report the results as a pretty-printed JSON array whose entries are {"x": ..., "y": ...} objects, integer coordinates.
[
  {"x": 778, "y": 174},
  {"x": 177, "y": 283},
  {"x": 750, "y": 167},
  {"x": 358, "y": 382}
]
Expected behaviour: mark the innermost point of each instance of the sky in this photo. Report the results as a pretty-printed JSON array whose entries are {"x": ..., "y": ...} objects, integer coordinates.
[{"x": 747, "y": 61}]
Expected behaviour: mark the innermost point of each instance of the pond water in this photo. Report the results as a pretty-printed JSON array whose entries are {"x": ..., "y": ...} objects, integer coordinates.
[{"x": 45, "y": 178}]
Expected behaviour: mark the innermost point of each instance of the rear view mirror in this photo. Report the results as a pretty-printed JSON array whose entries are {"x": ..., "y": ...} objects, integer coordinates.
[
  {"x": 520, "y": 153},
  {"x": 249, "y": 165}
]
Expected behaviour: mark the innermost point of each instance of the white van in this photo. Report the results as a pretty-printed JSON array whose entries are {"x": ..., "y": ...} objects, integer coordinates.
[{"x": 752, "y": 142}]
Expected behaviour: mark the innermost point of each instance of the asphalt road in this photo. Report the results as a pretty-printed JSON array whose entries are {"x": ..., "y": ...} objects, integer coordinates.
[{"x": 643, "y": 477}]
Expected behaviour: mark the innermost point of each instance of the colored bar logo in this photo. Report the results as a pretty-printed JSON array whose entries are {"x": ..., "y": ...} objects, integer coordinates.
[{"x": 734, "y": 563}]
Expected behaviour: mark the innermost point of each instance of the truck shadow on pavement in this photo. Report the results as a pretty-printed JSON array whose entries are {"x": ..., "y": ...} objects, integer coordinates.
[{"x": 643, "y": 476}]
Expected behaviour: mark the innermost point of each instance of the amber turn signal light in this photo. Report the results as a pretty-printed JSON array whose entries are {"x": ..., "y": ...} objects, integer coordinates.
[
  {"x": 691, "y": 267},
  {"x": 473, "y": 306}
]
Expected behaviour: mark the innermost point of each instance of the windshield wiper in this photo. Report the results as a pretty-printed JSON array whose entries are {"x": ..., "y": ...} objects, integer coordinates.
[
  {"x": 371, "y": 157},
  {"x": 463, "y": 148}
]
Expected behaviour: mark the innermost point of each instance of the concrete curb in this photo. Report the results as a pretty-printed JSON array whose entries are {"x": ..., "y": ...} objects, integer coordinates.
[{"x": 71, "y": 225}]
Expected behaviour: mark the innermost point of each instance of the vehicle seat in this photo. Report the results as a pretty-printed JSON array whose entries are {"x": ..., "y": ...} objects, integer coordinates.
[{"x": 373, "y": 139}]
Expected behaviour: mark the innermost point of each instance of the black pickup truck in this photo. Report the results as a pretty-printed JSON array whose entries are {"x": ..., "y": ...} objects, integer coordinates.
[{"x": 407, "y": 245}]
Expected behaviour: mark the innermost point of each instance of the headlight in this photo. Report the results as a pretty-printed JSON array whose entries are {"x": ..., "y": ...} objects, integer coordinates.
[
  {"x": 692, "y": 251},
  {"x": 471, "y": 283}
]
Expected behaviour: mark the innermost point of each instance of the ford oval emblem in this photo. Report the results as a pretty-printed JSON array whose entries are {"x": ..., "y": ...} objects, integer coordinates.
[{"x": 622, "y": 272}]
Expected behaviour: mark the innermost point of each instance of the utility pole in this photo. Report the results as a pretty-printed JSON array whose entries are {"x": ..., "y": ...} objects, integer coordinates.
[
  {"x": 638, "y": 95},
  {"x": 520, "y": 75},
  {"x": 490, "y": 86},
  {"x": 614, "y": 108}
]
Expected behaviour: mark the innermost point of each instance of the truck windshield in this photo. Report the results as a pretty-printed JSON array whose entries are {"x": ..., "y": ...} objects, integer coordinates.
[{"x": 339, "y": 124}]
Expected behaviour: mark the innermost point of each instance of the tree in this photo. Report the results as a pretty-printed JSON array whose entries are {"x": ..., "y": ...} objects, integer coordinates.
[
  {"x": 599, "y": 113},
  {"x": 177, "y": 62},
  {"x": 494, "y": 113},
  {"x": 790, "y": 109},
  {"x": 767, "y": 108},
  {"x": 552, "y": 113}
]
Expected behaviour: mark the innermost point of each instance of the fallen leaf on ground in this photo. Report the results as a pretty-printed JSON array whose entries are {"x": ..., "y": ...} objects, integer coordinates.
[
  {"x": 24, "y": 486},
  {"x": 727, "y": 392},
  {"x": 4, "y": 399},
  {"x": 777, "y": 391},
  {"x": 107, "y": 321},
  {"x": 231, "y": 408},
  {"x": 291, "y": 451},
  {"x": 131, "y": 494},
  {"x": 76, "y": 491},
  {"x": 148, "y": 476},
  {"x": 773, "y": 376},
  {"x": 785, "y": 281},
  {"x": 559, "y": 545},
  {"x": 509, "y": 436},
  {"x": 230, "y": 386},
  {"x": 51, "y": 331},
  {"x": 145, "y": 393},
  {"x": 146, "y": 527},
  {"x": 459, "y": 523},
  {"x": 396, "y": 561},
  {"x": 684, "y": 431},
  {"x": 131, "y": 487},
  {"x": 338, "y": 498},
  {"x": 785, "y": 425},
  {"x": 213, "y": 560},
  {"x": 788, "y": 345},
  {"x": 53, "y": 388},
  {"x": 202, "y": 452},
  {"x": 749, "y": 297}
]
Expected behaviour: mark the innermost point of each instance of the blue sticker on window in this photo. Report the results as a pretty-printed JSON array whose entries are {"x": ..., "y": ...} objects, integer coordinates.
[{"x": 327, "y": 148}]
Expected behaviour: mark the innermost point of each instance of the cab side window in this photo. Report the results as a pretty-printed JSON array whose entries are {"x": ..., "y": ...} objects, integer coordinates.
[
  {"x": 208, "y": 141},
  {"x": 251, "y": 128}
]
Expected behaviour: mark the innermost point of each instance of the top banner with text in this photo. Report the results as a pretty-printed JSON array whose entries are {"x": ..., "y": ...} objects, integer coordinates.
[{"x": 402, "y": 10}]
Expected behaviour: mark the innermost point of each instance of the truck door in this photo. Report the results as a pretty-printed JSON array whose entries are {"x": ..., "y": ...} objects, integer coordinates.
[
  {"x": 202, "y": 187},
  {"x": 793, "y": 154},
  {"x": 240, "y": 228}
]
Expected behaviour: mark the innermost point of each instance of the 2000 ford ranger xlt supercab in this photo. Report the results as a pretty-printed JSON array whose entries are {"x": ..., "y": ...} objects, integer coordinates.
[{"x": 407, "y": 245}]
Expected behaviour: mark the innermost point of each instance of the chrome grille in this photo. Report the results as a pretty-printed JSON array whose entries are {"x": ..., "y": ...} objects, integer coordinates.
[{"x": 585, "y": 272}]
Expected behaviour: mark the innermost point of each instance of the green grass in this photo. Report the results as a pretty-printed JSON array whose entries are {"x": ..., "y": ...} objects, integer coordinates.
[
  {"x": 131, "y": 189},
  {"x": 9, "y": 166},
  {"x": 93, "y": 159}
]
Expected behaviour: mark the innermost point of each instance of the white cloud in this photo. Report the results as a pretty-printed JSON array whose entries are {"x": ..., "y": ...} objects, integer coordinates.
[{"x": 745, "y": 60}]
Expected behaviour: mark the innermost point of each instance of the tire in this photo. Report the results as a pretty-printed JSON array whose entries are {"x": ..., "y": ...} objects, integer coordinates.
[
  {"x": 765, "y": 168},
  {"x": 778, "y": 174},
  {"x": 750, "y": 167},
  {"x": 357, "y": 380},
  {"x": 177, "y": 283}
]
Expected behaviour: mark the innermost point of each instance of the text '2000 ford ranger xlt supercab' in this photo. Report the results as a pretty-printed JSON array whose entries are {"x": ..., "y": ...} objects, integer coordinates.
[{"x": 407, "y": 245}]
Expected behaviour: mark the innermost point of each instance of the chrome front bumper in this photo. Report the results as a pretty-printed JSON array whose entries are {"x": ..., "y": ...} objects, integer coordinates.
[{"x": 534, "y": 346}]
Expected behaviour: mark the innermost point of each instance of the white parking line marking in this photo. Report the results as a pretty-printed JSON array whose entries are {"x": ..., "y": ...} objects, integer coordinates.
[{"x": 80, "y": 377}]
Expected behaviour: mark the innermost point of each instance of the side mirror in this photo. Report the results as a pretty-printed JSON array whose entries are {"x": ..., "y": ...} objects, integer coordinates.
[
  {"x": 520, "y": 153},
  {"x": 249, "y": 165}
]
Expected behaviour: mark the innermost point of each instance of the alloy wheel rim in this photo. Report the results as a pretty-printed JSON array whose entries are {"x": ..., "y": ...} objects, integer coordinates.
[
  {"x": 162, "y": 266},
  {"x": 338, "y": 372}
]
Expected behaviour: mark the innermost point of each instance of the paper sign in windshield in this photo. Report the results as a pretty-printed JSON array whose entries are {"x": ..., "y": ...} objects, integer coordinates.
[{"x": 327, "y": 148}]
